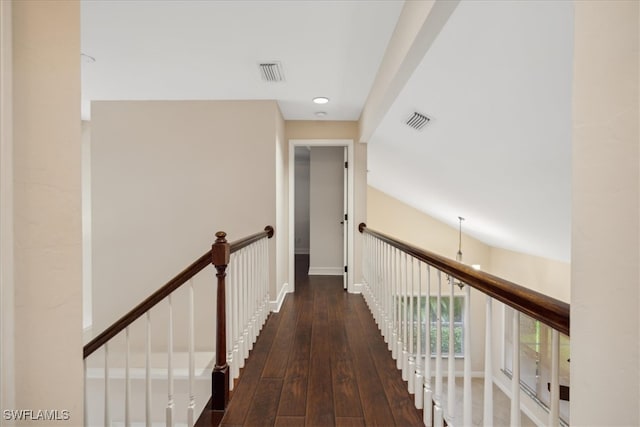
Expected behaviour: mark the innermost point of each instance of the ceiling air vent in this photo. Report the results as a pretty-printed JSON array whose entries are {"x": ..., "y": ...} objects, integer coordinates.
[
  {"x": 271, "y": 72},
  {"x": 417, "y": 121}
]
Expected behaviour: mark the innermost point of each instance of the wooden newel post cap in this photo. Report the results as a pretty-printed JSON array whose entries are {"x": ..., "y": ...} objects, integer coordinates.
[{"x": 220, "y": 250}]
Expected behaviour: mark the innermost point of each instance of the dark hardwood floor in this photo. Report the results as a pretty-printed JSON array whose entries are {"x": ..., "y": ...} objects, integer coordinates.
[{"x": 320, "y": 361}]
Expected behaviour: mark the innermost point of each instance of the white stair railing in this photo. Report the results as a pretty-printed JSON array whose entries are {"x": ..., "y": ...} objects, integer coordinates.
[
  {"x": 242, "y": 307},
  {"x": 397, "y": 288}
]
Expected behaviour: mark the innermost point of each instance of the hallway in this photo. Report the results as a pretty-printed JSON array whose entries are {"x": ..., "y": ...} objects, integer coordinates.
[{"x": 321, "y": 361}]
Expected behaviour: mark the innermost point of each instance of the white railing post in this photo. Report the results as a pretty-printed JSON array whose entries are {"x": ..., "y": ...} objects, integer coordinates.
[
  {"x": 467, "y": 399},
  {"x": 388, "y": 294},
  {"x": 245, "y": 315},
  {"x": 191, "y": 345},
  {"x": 419, "y": 381},
  {"x": 107, "y": 411},
  {"x": 405, "y": 320},
  {"x": 554, "y": 410},
  {"x": 412, "y": 354},
  {"x": 85, "y": 405},
  {"x": 127, "y": 383},
  {"x": 396, "y": 352},
  {"x": 515, "y": 378},
  {"x": 437, "y": 411},
  {"x": 233, "y": 288},
  {"x": 169, "y": 411},
  {"x": 488, "y": 367},
  {"x": 451, "y": 369},
  {"x": 428, "y": 391},
  {"x": 147, "y": 378}
]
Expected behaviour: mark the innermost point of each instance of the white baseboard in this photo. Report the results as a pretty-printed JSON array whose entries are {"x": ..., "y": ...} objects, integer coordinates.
[
  {"x": 275, "y": 305},
  {"x": 356, "y": 288},
  {"x": 326, "y": 271}
]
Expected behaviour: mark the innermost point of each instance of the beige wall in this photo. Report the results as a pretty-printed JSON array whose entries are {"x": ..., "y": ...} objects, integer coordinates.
[
  {"x": 302, "y": 129},
  {"x": 166, "y": 175},
  {"x": 544, "y": 275},
  {"x": 605, "y": 288},
  {"x": 47, "y": 212}
]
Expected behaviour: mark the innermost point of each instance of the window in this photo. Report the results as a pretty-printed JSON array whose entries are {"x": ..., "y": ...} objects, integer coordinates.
[
  {"x": 535, "y": 359},
  {"x": 419, "y": 303}
]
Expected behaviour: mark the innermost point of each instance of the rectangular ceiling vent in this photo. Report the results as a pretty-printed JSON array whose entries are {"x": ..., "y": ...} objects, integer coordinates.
[
  {"x": 417, "y": 121},
  {"x": 271, "y": 71}
]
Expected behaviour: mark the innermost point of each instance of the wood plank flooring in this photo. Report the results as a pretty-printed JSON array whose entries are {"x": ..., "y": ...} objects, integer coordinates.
[{"x": 320, "y": 361}]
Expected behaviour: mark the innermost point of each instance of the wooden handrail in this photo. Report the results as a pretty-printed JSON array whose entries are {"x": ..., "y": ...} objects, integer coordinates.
[
  {"x": 550, "y": 311},
  {"x": 173, "y": 284}
]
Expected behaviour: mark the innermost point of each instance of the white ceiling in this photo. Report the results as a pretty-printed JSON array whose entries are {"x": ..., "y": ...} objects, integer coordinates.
[
  {"x": 166, "y": 50},
  {"x": 496, "y": 83}
]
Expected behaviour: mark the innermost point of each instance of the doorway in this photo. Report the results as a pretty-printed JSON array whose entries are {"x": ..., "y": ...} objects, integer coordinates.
[{"x": 320, "y": 199}]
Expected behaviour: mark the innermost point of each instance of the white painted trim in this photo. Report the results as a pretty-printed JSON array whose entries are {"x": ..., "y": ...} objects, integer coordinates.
[
  {"x": 350, "y": 223},
  {"x": 277, "y": 304},
  {"x": 7, "y": 324},
  {"x": 357, "y": 288},
  {"x": 326, "y": 271}
]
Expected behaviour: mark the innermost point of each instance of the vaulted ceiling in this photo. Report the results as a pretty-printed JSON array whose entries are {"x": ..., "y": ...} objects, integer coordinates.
[{"x": 496, "y": 83}]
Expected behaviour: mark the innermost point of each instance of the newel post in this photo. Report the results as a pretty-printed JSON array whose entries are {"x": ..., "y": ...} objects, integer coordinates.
[{"x": 220, "y": 252}]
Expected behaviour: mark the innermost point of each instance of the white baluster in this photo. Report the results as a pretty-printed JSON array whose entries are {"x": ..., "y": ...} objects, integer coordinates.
[
  {"x": 229, "y": 323},
  {"x": 428, "y": 391},
  {"x": 488, "y": 367},
  {"x": 405, "y": 320},
  {"x": 438, "y": 415},
  {"x": 467, "y": 404},
  {"x": 388, "y": 291},
  {"x": 451, "y": 370},
  {"x": 251, "y": 288},
  {"x": 127, "y": 382},
  {"x": 147, "y": 401},
  {"x": 515, "y": 379},
  {"x": 235, "y": 308},
  {"x": 412, "y": 319},
  {"x": 396, "y": 310},
  {"x": 419, "y": 382},
  {"x": 191, "y": 337},
  {"x": 265, "y": 279},
  {"x": 85, "y": 412},
  {"x": 169, "y": 411},
  {"x": 241, "y": 302},
  {"x": 385, "y": 292},
  {"x": 107, "y": 412},
  {"x": 554, "y": 410},
  {"x": 245, "y": 308}
]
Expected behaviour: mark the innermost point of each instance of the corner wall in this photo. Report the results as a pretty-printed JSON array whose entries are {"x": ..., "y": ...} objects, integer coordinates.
[
  {"x": 605, "y": 288},
  {"x": 47, "y": 207}
]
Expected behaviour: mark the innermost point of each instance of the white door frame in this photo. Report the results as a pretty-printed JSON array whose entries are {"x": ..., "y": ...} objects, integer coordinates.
[{"x": 293, "y": 143}]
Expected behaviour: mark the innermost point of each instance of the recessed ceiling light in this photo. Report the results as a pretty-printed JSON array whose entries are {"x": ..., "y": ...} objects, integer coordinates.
[
  {"x": 320, "y": 100},
  {"x": 321, "y": 113}
]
